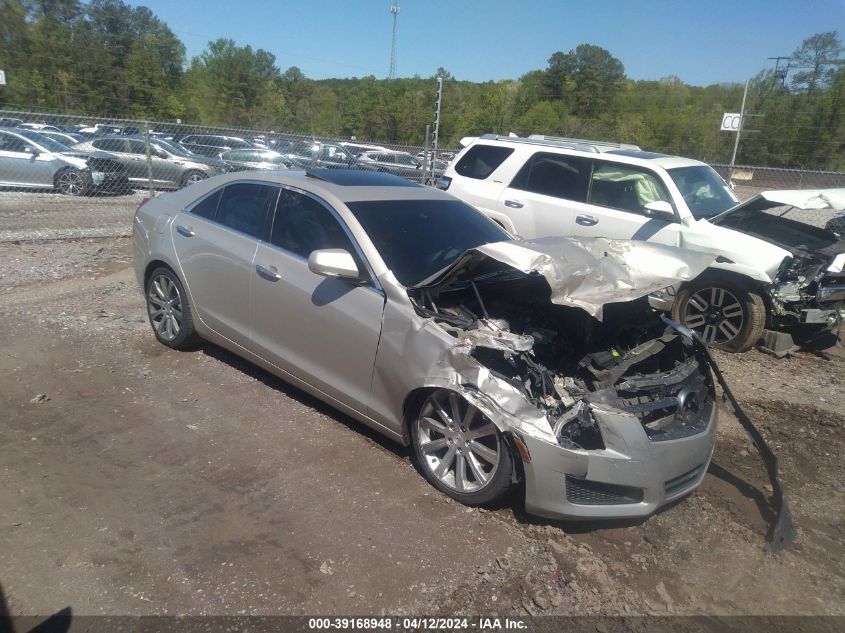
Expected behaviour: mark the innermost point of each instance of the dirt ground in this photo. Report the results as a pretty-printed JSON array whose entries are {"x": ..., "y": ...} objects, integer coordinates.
[{"x": 139, "y": 480}]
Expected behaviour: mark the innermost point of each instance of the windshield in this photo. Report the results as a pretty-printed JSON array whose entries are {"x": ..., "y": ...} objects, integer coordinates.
[
  {"x": 47, "y": 143},
  {"x": 417, "y": 238},
  {"x": 704, "y": 191}
]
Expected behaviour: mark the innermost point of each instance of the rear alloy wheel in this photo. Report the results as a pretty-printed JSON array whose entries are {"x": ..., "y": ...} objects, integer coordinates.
[
  {"x": 459, "y": 450},
  {"x": 71, "y": 182},
  {"x": 191, "y": 177},
  {"x": 724, "y": 314},
  {"x": 169, "y": 310}
]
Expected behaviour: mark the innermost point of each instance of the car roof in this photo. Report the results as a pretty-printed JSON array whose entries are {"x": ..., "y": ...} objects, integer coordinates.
[
  {"x": 630, "y": 154},
  {"x": 344, "y": 185}
]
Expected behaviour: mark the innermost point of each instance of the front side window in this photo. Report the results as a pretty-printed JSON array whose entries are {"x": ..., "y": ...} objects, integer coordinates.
[
  {"x": 482, "y": 160},
  {"x": 408, "y": 161},
  {"x": 625, "y": 187},
  {"x": 303, "y": 225},
  {"x": 9, "y": 143},
  {"x": 555, "y": 175},
  {"x": 704, "y": 191},
  {"x": 244, "y": 207}
]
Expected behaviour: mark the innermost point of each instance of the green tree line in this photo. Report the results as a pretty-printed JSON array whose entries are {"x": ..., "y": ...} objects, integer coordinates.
[{"x": 106, "y": 58}]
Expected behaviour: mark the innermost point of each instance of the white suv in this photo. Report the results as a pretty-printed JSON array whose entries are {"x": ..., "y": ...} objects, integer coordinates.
[{"x": 768, "y": 268}]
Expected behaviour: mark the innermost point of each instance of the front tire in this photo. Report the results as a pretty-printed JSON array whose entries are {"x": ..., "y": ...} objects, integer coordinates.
[
  {"x": 725, "y": 314},
  {"x": 72, "y": 182},
  {"x": 460, "y": 451},
  {"x": 169, "y": 310}
]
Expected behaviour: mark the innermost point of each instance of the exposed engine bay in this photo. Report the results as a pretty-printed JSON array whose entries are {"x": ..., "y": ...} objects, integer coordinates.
[{"x": 561, "y": 358}]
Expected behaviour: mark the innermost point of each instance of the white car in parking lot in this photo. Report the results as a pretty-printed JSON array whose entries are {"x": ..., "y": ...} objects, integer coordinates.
[{"x": 769, "y": 269}]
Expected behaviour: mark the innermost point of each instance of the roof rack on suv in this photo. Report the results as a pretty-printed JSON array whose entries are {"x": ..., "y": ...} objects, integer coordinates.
[{"x": 579, "y": 144}]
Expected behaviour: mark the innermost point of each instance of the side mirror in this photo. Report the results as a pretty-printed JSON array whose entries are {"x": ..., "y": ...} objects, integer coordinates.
[
  {"x": 34, "y": 151},
  {"x": 333, "y": 262},
  {"x": 660, "y": 209}
]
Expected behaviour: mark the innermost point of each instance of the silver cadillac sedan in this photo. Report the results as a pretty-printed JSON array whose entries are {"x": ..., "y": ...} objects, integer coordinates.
[{"x": 500, "y": 361}]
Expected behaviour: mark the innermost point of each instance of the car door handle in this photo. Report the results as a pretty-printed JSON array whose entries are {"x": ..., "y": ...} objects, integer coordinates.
[
  {"x": 514, "y": 204},
  {"x": 267, "y": 273},
  {"x": 586, "y": 220},
  {"x": 184, "y": 230}
]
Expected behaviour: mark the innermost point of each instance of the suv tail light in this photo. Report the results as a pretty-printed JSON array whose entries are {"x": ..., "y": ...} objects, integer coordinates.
[{"x": 443, "y": 183}]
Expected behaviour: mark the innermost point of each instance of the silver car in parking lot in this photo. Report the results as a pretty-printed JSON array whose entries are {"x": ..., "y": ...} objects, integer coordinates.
[{"x": 499, "y": 361}]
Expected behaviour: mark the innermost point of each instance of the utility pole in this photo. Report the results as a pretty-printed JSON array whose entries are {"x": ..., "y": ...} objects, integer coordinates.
[
  {"x": 436, "y": 135},
  {"x": 395, "y": 11},
  {"x": 781, "y": 73},
  {"x": 738, "y": 131}
]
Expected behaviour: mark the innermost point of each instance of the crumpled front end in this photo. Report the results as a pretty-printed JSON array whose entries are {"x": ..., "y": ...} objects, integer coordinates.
[
  {"x": 612, "y": 411},
  {"x": 641, "y": 438}
]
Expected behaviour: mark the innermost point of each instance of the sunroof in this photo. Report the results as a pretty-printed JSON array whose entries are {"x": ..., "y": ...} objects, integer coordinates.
[{"x": 359, "y": 178}]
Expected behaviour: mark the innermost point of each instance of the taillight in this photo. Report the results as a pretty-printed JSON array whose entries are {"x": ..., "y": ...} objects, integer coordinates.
[
  {"x": 144, "y": 201},
  {"x": 443, "y": 183}
]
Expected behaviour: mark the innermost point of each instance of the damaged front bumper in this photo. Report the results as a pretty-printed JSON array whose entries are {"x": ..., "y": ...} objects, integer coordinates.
[{"x": 633, "y": 476}]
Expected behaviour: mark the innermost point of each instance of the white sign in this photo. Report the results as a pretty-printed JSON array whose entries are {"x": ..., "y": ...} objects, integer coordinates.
[
  {"x": 2, "y": 77},
  {"x": 731, "y": 122}
]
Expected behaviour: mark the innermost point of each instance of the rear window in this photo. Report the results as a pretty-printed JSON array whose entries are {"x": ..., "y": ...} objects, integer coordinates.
[{"x": 482, "y": 160}]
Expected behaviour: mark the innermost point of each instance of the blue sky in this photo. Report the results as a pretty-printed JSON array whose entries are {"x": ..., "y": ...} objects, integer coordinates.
[{"x": 702, "y": 42}]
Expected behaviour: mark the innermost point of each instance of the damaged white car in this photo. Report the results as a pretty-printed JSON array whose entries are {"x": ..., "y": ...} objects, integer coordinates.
[
  {"x": 769, "y": 270},
  {"x": 497, "y": 360}
]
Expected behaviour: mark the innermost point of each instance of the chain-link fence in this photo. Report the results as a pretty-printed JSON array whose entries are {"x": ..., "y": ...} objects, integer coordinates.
[{"x": 104, "y": 166}]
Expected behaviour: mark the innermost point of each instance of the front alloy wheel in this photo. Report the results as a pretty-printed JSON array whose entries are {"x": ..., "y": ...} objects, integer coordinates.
[
  {"x": 459, "y": 450},
  {"x": 715, "y": 314},
  {"x": 71, "y": 182},
  {"x": 725, "y": 314}
]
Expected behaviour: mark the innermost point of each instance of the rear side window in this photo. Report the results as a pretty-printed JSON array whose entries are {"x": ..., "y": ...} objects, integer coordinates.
[
  {"x": 244, "y": 207},
  {"x": 482, "y": 160},
  {"x": 110, "y": 144},
  {"x": 208, "y": 207},
  {"x": 303, "y": 225},
  {"x": 555, "y": 175}
]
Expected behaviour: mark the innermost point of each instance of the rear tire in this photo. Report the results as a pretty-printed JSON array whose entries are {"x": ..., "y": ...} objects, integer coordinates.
[
  {"x": 460, "y": 451},
  {"x": 193, "y": 176},
  {"x": 726, "y": 315},
  {"x": 169, "y": 310}
]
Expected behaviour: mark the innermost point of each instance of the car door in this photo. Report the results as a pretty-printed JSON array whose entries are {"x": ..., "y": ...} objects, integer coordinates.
[
  {"x": 136, "y": 169},
  {"x": 616, "y": 205},
  {"x": 165, "y": 170},
  {"x": 547, "y": 194},
  {"x": 21, "y": 162},
  {"x": 322, "y": 330},
  {"x": 215, "y": 241}
]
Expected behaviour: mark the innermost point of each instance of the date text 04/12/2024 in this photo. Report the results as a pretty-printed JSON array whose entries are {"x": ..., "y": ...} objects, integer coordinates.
[{"x": 418, "y": 624}]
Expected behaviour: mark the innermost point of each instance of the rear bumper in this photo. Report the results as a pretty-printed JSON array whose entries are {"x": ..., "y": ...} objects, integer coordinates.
[{"x": 632, "y": 477}]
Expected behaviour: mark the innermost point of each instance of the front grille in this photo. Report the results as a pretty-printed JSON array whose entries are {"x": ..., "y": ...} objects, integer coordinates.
[
  {"x": 595, "y": 493},
  {"x": 682, "y": 482},
  {"x": 671, "y": 405}
]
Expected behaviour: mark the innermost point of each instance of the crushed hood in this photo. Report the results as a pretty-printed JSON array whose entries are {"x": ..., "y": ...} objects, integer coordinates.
[
  {"x": 798, "y": 237},
  {"x": 807, "y": 199},
  {"x": 582, "y": 272}
]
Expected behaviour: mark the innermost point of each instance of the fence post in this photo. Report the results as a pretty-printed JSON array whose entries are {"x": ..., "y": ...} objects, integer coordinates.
[
  {"x": 149, "y": 158},
  {"x": 426, "y": 172}
]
